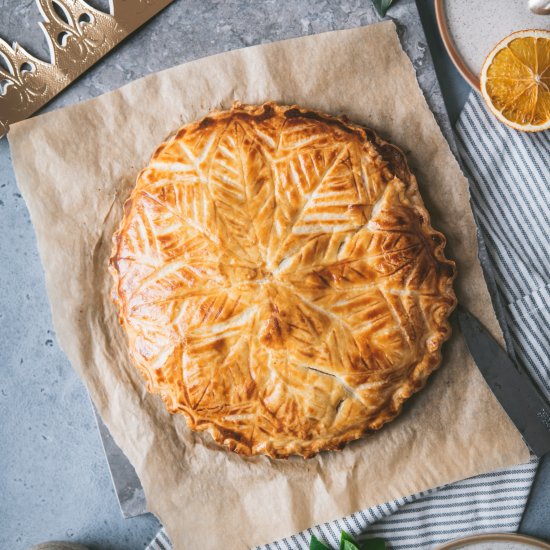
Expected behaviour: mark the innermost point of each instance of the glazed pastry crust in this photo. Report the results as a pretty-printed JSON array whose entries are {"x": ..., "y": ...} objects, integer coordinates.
[{"x": 278, "y": 279}]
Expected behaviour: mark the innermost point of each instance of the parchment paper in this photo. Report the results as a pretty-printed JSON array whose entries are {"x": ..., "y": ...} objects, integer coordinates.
[{"x": 75, "y": 167}]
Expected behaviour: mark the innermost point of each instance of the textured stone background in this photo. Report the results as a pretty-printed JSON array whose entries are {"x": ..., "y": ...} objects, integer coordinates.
[{"x": 54, "y": 480}]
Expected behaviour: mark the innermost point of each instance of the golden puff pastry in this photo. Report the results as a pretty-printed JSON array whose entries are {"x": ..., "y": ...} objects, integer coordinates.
[{"x": 279, "y": 281}]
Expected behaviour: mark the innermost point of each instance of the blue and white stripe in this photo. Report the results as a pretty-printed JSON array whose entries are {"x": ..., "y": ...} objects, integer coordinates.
[{"x": 509, "y": 174}]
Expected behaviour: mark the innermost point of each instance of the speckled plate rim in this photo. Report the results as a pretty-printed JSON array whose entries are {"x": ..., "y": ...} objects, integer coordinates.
[
  {"x": 495, "y": 537},
  {"x": 450, "y": 46}
]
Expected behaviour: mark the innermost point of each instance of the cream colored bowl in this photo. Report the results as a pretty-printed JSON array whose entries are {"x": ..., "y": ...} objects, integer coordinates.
[
  {"x": 470, "y": 29},
  {"x": 496, "y": 541}
]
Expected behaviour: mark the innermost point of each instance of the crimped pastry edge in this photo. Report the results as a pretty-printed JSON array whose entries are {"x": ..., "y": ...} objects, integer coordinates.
[{"x": 397, "y": 162}]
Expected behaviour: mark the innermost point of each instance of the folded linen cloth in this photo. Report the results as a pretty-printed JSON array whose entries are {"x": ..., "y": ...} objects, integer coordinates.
[{"x": 509, "y": 175}]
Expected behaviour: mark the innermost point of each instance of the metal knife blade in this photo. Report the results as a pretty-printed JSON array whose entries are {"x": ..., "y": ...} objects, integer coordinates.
[{"x": 512, "y": 386}]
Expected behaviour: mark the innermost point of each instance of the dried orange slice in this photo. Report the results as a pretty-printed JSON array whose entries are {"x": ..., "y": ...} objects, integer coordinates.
[{"x": 515, "y": 80}]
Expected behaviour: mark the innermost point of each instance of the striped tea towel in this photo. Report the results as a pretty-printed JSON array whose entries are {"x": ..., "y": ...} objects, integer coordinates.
[{"x": 509, "y": 174}]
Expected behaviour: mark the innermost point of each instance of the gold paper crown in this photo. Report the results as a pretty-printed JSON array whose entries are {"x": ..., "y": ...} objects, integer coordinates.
[{"x": 77, "y": 35}]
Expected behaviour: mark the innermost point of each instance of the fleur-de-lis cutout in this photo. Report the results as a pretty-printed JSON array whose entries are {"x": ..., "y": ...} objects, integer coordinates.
[
  {"x": 78, "y": 35},
  {"x": 25, "y": 78},
  {"x": 77, "y": 29}
]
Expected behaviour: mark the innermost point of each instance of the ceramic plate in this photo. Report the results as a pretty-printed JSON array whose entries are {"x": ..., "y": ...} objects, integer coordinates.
[
  {"x": 472, "y": 28},
  {"x": 496, "y": 541}
]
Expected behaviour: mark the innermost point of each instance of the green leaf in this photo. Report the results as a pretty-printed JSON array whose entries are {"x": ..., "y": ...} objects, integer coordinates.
[
  {"x": 373, "y": 544},
  {"x": 344, "y": 538},
  {"x": 316, "y": 544},
  {"x": 348, "y": 543},
  {"x": 382, "y": 6}
]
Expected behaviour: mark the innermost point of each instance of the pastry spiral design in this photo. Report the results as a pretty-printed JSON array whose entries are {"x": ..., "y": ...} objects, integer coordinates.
[{"x": 279, "y": 281}]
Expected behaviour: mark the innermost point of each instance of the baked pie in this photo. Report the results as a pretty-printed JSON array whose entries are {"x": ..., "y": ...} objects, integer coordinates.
[{"x": 279, "y": 281}]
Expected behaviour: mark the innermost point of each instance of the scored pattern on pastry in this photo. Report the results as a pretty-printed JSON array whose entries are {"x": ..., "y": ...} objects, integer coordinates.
[{"x": 279, "y": 281}]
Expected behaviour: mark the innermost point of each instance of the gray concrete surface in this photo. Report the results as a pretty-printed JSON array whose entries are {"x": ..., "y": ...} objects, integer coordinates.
[
  {"x": 54, "y": 481},
  {"x": 536, "y": 518}
]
